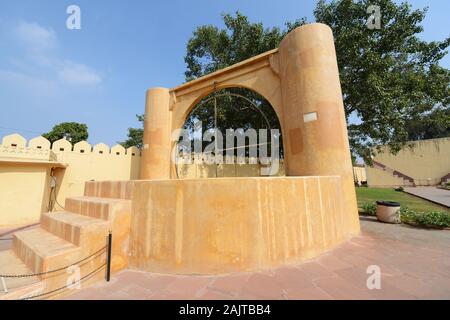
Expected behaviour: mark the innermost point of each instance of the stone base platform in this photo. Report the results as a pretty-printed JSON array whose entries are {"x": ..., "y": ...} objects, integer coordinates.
[{"x": 214, "y": 226}]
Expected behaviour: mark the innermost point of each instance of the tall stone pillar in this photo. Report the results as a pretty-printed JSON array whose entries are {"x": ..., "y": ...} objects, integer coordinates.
[
  {"x": 314, "y": 117},
  {"x": 155, "y": 160}
]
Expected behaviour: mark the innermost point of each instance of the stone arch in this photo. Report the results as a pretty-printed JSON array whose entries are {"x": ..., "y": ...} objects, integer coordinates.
[
  {"x": 301, "y": 82},
  {"x": 273, "y": 101},
  {"x": 207, "y": 92},
  {"x": 259, "y": 74}
]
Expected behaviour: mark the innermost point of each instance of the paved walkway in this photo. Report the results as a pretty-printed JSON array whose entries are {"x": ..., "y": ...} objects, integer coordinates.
[
  {"x": 414, "y": 263},
  {"x": 439, "y": 196}
]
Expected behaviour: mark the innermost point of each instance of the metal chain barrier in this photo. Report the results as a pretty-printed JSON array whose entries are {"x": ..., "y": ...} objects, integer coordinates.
[
  {"x": 52, "y": 271},
  {"x": 65, "y": 287},
  {"x": 107, "y": 263}
]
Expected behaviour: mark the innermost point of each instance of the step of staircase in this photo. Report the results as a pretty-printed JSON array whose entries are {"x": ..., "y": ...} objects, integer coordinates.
[
  {"x": 109, "y": 189},
  {"x": 17, "y": 288},
  {"x": 42, "y": 251},
  {"x": 81, "y": 230},
  {"x": 95, "y": 207}
]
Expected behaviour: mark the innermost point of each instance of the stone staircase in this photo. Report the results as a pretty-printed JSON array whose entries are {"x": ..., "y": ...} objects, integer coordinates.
[
  {"x": 66, "y": 237},
  {"x": 407, "y": 180},
  {"x": 445, "y": 178}
]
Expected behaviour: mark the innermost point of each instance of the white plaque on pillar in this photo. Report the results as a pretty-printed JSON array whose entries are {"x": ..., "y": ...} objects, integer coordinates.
[{"x": 311, "y": 116}]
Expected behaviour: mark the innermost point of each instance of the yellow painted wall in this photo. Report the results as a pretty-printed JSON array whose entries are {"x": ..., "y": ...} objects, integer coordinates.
[
  {"x": 23, "y": 193},
  {"x": 359, "y": 174},
  {"x": 25, "y": 173},
  {"x": 426, "y": 161},
  {"x": 119, "y": 164},
  {"x": 379, "y": 178}
]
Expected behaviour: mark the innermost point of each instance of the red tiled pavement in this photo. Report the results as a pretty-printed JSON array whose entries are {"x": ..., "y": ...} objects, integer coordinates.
[{"x": 414, "y": 263}]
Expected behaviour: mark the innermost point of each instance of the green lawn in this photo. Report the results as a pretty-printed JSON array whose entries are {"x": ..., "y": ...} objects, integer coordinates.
[{"x": 388, "y": 194}]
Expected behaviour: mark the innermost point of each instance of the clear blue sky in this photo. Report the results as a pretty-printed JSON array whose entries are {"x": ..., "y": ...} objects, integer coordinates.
[{"x": 98, "y": 75}]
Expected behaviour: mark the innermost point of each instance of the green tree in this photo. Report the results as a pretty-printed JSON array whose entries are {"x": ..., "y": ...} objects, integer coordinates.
[
  {"x": 135, "y": 135},
  {"x": 211, "y": 48},
  {"x": 390, "y": 77},
  {"x": 72, "y": 131},
  {"x": 432, "y": 125}
]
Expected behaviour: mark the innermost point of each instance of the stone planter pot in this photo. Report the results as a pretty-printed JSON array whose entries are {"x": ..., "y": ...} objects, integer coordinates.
[{"x": 388, "y": 211}]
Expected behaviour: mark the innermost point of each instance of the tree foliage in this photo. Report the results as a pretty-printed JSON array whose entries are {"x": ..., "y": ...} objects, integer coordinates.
[
  {"x": 72, "y": 131},
  {"x": 135, "y": 135},
  {"x": 391, "y": 80},
  {"x": 211, "y": 48},
  {"x": 432, "y": 125}
]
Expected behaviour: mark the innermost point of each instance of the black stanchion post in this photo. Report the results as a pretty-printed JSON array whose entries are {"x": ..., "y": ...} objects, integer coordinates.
[{"x": 108, "y": 257}]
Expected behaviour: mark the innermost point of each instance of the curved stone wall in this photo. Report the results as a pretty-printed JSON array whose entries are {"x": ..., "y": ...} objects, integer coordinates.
[{"x": 211, "y": 226}]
